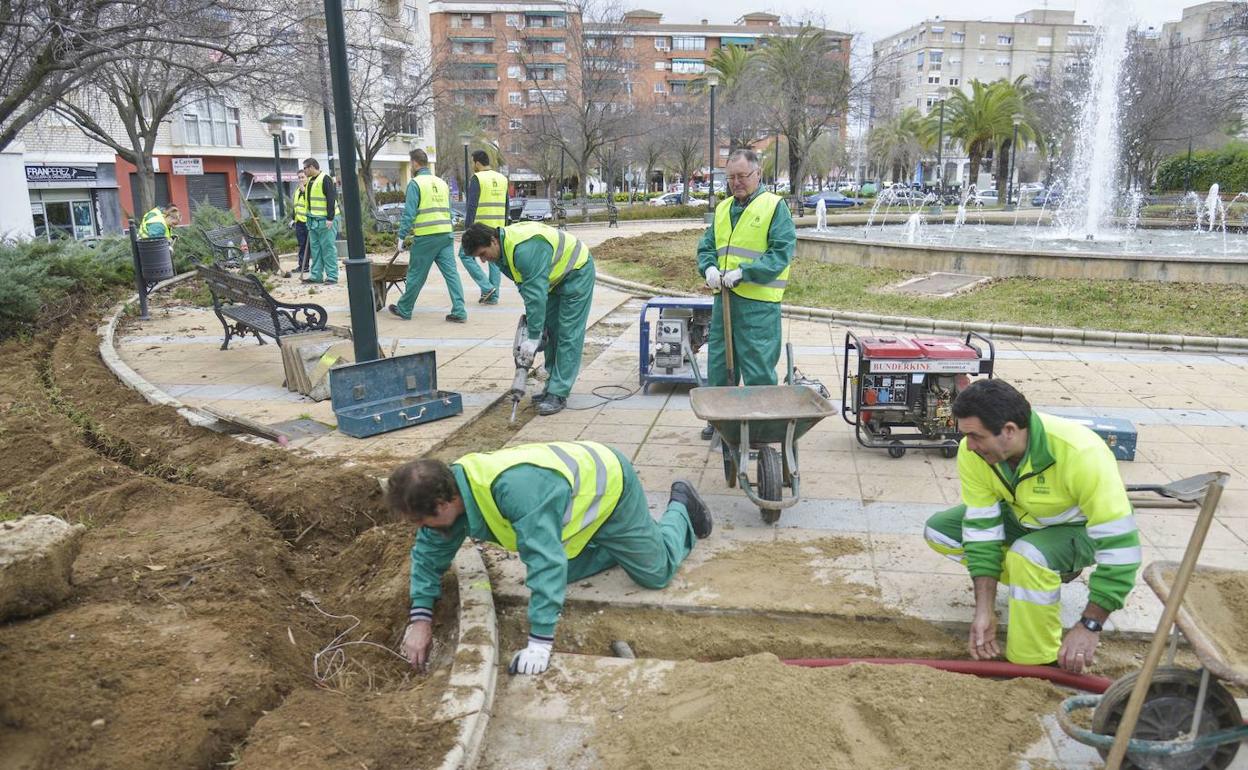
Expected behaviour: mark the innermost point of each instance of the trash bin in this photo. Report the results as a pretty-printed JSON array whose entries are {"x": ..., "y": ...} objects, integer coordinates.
[{"x": 155, "y": 259}]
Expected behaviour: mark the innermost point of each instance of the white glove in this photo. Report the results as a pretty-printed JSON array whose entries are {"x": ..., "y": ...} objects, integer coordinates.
[
  {"x": 527, "y": 352},
  {"x": 533, "y": 659},
  {"x": 731, "y": 278},
  {"x": 712, "y": 278}
]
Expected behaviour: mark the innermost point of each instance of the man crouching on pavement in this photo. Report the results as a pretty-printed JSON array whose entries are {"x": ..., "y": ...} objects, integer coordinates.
[{"x": 571, "y": 510}]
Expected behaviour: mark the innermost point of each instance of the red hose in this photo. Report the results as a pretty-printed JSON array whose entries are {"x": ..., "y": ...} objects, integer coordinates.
[{"x": 985, "y": 668}]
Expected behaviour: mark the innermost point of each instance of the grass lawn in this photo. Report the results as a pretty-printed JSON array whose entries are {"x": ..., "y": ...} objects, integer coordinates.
[{"x": 668, "y": 259}]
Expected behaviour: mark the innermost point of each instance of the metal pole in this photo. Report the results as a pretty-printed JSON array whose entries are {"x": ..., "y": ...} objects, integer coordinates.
[
  {"x": 1187, "y": 179},
  {"x": 1009, "y": 180},
  {"x": 139, "y": 284},
  {"x": 359, "y": 267},
  {"x": 559, "y": 187},
  {"x": 710, "y": 189},
  {"x": 940, "y": 146},
  {"x": 277, "y": 166},
  {"x": 463, "y": 189},
  {"x": 329, "y": 125}
]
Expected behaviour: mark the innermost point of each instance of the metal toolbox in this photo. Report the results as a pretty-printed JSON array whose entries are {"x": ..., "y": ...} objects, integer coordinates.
[
  {"x": 1119, "y": 434},
  {"x": 390, "y": 393}
]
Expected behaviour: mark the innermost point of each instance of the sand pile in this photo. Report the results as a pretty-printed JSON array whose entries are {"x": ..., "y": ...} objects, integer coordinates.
[{"x": 1218, "y": 599}]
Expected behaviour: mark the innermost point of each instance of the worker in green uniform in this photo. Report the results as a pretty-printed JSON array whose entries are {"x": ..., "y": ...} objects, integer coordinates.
[
  {"x": 487, "y": 203},
  {"x": 427, "y": 218},
  {"x": 746, "y": 250},
  {"x": 570, "y": 509},
  {"x": 299, "y": 220},
  {"x": 555, "y": 274},
  {"x": 322, "y": 198},
  {"x": 159, "y": 224},
  {"x": 1041, "y": 501}
]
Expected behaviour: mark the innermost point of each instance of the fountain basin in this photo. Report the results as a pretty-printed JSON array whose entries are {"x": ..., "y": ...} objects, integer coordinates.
[{"x": 1005, "y": 251}]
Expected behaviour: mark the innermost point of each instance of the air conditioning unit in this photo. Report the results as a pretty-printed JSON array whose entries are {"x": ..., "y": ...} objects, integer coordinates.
[{"x": 290, "y": 137}]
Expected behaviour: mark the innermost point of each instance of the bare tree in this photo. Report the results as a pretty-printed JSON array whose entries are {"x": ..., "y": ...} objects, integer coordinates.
[
  {"x": 686, "y": 138},
  {"x": 124, "y": 102},
  {"x": 649, "y": 145}
]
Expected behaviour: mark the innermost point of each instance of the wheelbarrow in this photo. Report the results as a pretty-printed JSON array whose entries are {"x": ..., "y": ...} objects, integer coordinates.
[
  {"x": 386, "y": 277},
  {"x": 1168, "y": 717},
  {"x": 759, "y": 417}
]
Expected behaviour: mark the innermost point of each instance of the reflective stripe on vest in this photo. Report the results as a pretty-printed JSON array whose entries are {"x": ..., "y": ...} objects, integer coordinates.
[
  {"x": 434, "y": 215},
  {"x": 300, "y": 202},
  {"x": 569, "y": 253},
  {"x": 151, "y": 218},
  {"x": 491, "y": 199},
  {"x": 591, "y": 469},
  {"x": 739, "y": 246},
  {"x": 317, "y": 205}
]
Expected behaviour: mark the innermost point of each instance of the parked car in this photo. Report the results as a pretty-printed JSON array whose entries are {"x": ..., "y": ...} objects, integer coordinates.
[
  {"x": 831, "y": 199},
  {"x": 1030, "y": 188},
  {"x": 537, "y": 210},
  {"x": 986, "y": 198},
  {"x": 673, "y": 199},
  {"x": 459, "y": 213},
  {"x": 904, "y": 195},
  {"x": 1049, "y": 197}
]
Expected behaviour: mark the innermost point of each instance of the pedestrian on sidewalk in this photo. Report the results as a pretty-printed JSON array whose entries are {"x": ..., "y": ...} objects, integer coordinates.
[
  {"x": 299, "y": 205},
  {"x": 487, "y": 203},
  {"x": 555, "y": 274},
  {"x": 1041, "y": 501},
  {"x": 570, "y": 509},
  {"x": 427, "y": 218},
  {"x": 746, "y": 250},
  {"x": 322, "y": 197}
]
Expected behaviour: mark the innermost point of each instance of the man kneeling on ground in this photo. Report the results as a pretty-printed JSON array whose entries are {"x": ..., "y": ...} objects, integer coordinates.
[
  {"x": 571, "y": 510},
  {"x": 1041, "y": 500}
]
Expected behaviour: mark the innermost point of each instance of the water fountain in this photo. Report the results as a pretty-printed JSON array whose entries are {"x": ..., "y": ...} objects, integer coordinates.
[{"x": 821, "y": 215}]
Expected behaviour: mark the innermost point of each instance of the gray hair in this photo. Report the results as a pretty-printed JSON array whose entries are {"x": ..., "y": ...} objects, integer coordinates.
[{"x": 749, "y": 156}]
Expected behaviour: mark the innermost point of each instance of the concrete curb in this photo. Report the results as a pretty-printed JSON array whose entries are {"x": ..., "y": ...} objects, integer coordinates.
[
  {"x": 1133, "y": 340},
  {"x": 469, "y": 695}
]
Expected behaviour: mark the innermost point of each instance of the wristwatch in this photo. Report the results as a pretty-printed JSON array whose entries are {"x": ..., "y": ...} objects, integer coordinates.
[{"x": 1091, "y": 624}]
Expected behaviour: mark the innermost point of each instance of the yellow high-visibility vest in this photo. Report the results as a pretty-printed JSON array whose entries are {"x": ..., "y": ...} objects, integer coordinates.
[
  {"x": 591, "y": 469},
  {"x": 300, "y": 201},
  {"x": 739, "y": 246},
  {"x": 569, "y": 255},
  {"x": 434, "y": 215},
  {"x": 492, "y": 200},
  {"x": 317, "y": 204},
  {"x": 151, "y": 221}
]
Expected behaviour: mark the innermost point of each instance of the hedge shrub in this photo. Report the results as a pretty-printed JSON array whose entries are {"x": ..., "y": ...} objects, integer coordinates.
[{"x": 1227, "y": 166}]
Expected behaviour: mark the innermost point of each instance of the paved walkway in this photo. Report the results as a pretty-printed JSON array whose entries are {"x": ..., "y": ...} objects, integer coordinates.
[{"x": 1191, "y": 412}]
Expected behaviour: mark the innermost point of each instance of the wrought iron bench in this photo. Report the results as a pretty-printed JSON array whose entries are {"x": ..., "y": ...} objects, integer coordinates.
[
  {"x": 235, "y": 247},
  {"x": 245, "y": 307}
]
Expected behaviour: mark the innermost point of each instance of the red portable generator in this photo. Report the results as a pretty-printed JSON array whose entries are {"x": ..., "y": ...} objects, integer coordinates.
[{"x": 900, "y": 393}]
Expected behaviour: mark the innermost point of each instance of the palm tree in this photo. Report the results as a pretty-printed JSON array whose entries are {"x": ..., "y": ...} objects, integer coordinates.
[
  {"x": 983, "y": 122},
  {"x": 740, "y": 120},
  {"x": 896, "y": 143}
]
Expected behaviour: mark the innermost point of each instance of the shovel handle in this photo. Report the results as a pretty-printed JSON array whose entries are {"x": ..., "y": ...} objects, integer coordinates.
[{"x": 727, "y": 319}]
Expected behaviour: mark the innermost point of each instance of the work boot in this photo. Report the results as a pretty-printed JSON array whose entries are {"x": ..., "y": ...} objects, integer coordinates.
[
  {"x": 708, "y": 432},
  {"x": 394, "y": 310},
  {"x": 457, "y": 319},
  {"x": 552, "y": 404},
  {"x": 538, "y": 398},
  {"x": 699, "y": 515},
  {"x": 487, "y": 296},
  {"x": 1069, "y": 576}
]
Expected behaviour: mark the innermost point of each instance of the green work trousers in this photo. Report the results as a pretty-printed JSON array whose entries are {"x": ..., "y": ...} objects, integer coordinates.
[
  {"x": 426, "y": 251},
  {"x": 755, "y": 341},
  {"x": 485, "y": 278},
  {"x": 567, "y": 314},
  {"x": 323, "y": 254},
  {"x": 1032, "y": 567},
  {"x": 649, "y": 552}
]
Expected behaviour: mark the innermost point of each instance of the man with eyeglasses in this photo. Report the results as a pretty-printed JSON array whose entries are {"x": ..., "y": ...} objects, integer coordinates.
[{"x": 747, "y": 250}]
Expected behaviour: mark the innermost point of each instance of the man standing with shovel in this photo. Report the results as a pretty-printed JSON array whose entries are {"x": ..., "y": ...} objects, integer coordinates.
[{"x": 746, "y": 250}]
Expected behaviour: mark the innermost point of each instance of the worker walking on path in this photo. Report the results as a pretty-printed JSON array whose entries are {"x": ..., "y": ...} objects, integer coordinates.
[
  {"x": 487, "y": 203},
  {"x": 555, "y": 274},
  {"x": 571, "y": 510},
  {"x": 1041, "y": 500},
  {"x": 299, "y": 220},
  {"x": 427, "y": 217},
  {"x": 159, "y": 224},
  {"x": 322, "y": 198},
  {"x": 746, "y": 250}
]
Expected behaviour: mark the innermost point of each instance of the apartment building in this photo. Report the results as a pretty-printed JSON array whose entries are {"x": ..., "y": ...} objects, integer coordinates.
[
  {"x": 504, "y": 59},
  {"x": 216, "y": 149}
]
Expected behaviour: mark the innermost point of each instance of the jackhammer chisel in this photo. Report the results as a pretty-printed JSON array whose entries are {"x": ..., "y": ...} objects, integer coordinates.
[{"x": 522, "y": 372}]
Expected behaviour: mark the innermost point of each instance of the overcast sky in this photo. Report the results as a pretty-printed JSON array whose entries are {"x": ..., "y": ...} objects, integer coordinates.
[{"x": 875, "y": 20}]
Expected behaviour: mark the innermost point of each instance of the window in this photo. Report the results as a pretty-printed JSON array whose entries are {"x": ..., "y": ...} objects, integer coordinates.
[
  {"x": 515, "y": 97},
  {"x": 291, "y": 120},
  {"x": 679, "y": 87},
  {"x": 688, "y": 66},
  {"x": 1005, "y": 40},
  {"x": 662, "y": 44},
  {"x": 513, "y": 21},
  {"x": 979, "y": 59},
  {"x": 934, "y": 60},
  {"x": 955, "y": 61},
  {"x": 954, "y": 81},
  {"x": 411, "y": 16},
  {"x": 479, "y": 22},
  {"x": 958, "y": 37},
  {"x": 661, "y": 65},
  {"x": 983, "y": 39},
  {"x": 514, "y": 147},
  {"x": 404, "y": 121},
  {"x": 514, "y": 124},
  {"x": 628, "y": 42},
  {"x": 1044, "y": 63},
  {"x": 688, "y": 43},
  {"x": 513, "y": 72},
  {"x": 559, "y": 46},
  {"x": 1078, "y": 40},
  {"x": 933, "y": 79},
  {"x": 723, "y": 152},
  {"x": 938, "y": 33},
  {"x": 1003, "y": 61},
  {"x": 209, "y": 122},
  {"x": 660, "y": 88},
  {"x": 457, "y": 22},
  {"x": 919, "y": 60},
  {"x": 513, "y": 46},
  {"x": 1044, "y": 41}
]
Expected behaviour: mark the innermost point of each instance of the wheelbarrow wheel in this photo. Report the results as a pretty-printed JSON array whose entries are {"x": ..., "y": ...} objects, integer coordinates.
[
  {"x": 770, "y": 480},
  {"x": 1167, "y": 715},
  {"x": 730, "y": 467}
]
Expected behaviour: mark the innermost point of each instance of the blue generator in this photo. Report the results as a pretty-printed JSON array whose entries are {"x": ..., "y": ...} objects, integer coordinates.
[{"x": 673, "y": 332}]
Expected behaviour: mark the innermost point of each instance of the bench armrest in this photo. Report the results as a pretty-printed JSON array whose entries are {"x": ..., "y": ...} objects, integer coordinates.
[{"x": 314, "y": 314}]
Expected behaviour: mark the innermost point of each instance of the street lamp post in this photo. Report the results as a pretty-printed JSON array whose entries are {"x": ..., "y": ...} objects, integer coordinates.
[
  {"x": 325, "y": 106},
  {"x": 559, "y": 187},
  {"x": 276, "y": 124},
  {"x": 463, "y": 190},
  {"x": 940, "y": 147},
  {"x": 1187, "y": 169},
  {"x": 1009, "y": 181},
  {"x": 712, "y": 79}
]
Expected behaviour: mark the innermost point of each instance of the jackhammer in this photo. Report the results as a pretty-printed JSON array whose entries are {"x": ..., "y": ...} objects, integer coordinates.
[{"x": 522, "y": 372}]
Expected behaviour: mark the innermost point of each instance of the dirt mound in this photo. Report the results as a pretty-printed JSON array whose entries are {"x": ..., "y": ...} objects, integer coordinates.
[{"x": 714, "y": 715}]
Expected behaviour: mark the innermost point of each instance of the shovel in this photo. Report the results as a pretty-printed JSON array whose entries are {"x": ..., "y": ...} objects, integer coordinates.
[{"x": 1184, "y": 493}]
